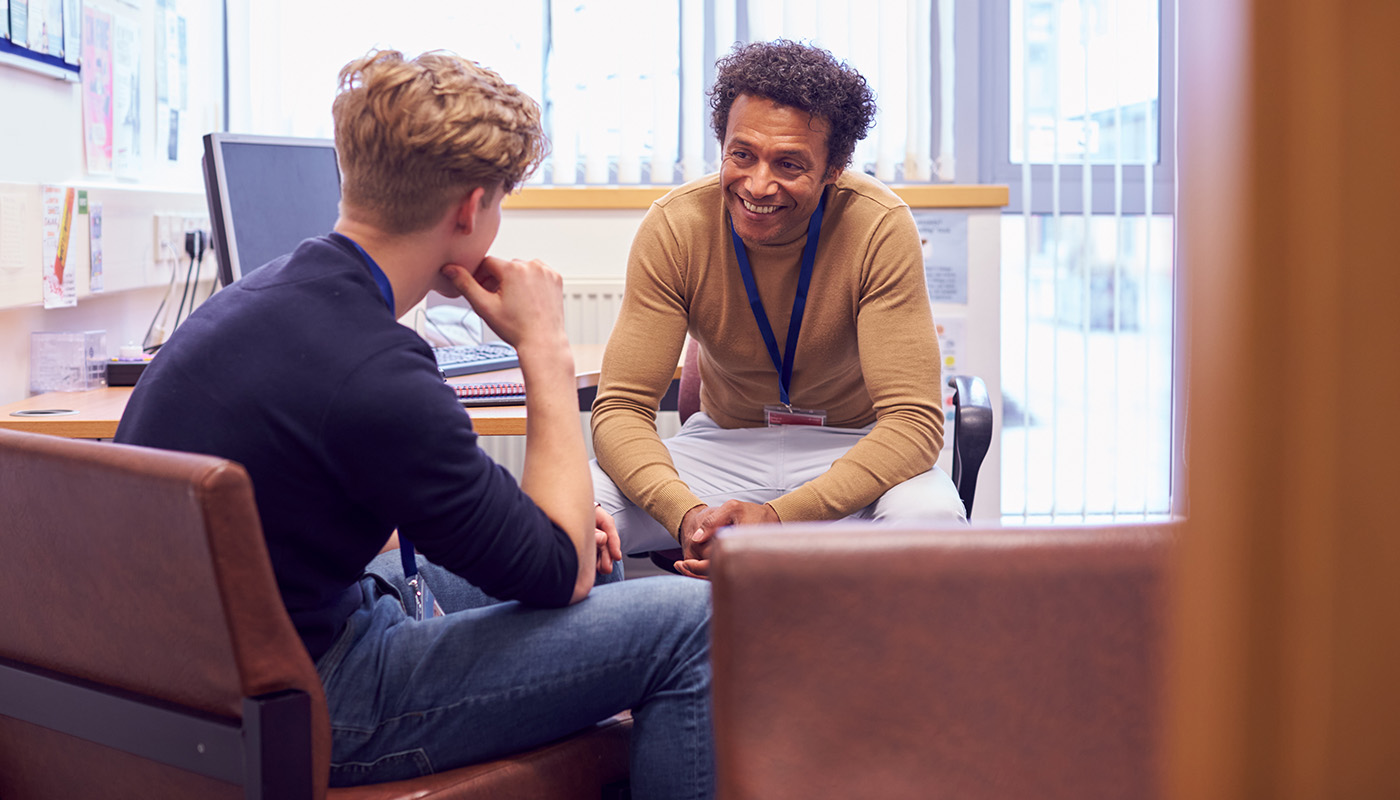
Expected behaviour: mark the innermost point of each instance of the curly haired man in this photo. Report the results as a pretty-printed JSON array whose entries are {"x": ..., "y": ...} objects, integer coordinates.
[
  {"x": 802, "y": 283},
  {"x": 300, "y": 372}
]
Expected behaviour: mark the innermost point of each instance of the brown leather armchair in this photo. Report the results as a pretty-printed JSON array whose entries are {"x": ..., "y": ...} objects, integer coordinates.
[
  {"x": 856, "y": 660},
  {"x": 145, "y": 652}
]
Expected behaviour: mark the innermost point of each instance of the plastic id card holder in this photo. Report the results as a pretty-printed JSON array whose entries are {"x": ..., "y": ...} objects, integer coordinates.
[
  {"x": 782, "y": 415},
  {"x": 420, "y": 599}
]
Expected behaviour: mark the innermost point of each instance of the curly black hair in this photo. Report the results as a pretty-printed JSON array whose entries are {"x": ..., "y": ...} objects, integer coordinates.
[{"x": 801, "y": 76}]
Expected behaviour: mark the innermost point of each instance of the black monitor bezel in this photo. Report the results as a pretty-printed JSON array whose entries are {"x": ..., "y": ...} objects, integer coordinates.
[{"x": 223, "y": 228}]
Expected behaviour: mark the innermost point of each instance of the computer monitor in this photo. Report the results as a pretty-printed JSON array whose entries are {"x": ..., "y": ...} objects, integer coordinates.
[{"x": 266, "y": 194}]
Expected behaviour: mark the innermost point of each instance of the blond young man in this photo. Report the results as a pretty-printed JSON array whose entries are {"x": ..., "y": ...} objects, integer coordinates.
[{"x": 300, "y": 372}]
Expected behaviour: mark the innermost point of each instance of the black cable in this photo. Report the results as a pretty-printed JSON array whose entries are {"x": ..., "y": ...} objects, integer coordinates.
[
  {"x": 214, "y": 285},
  {"x": 146, "y": 346},
  {"x": 194, "y": 248},
  {"x": 189, "y": 272}
]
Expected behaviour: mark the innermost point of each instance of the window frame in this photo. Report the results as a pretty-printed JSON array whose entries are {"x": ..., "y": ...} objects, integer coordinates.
[{"x": 996, "y": 166}]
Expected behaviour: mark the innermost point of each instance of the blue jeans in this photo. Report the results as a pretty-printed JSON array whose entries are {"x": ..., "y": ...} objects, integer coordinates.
[{"x": 488, "y": 679}]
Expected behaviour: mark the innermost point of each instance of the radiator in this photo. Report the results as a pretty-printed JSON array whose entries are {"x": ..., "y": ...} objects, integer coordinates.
[{"x": 590, "y": 308}]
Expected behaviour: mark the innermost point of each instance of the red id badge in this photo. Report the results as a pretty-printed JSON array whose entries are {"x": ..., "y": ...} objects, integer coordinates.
[{"x": 783, "y": 415}]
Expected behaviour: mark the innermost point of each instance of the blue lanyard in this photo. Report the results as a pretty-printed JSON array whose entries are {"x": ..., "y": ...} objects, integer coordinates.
[
  {"x": 380, "y": 279},
  {"x": 799, "y": 303},
  {"x": 410, "y": 565}
]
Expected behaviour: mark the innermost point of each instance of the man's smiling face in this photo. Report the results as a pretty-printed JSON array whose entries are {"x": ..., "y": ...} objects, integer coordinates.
[{"x": 774, "y": 169}]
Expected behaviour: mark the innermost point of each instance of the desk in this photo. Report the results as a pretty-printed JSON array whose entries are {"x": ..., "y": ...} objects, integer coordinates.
[{"x": 97, "y": 412}]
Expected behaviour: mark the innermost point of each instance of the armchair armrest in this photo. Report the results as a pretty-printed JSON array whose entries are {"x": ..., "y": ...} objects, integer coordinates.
[{"x": 972, "y": 433}]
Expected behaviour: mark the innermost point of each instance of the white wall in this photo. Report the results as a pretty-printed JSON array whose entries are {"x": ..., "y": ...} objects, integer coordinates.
[
  {"x": 41, "y": 129},
  {"x": 41, "y": 143},
  {"x": 577, "y": 244}
]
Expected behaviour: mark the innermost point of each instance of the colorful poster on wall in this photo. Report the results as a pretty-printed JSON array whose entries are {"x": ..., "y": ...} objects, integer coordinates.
[
  {"x": 126, "y": 96},
  {"x": 97, "y": 90},
  {"x": 60, "y": 282}
]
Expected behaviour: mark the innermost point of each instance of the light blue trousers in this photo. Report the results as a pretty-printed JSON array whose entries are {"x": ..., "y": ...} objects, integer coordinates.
[
  {"x": 408, "y": 698},
  {"x": 757, "y": 465}
]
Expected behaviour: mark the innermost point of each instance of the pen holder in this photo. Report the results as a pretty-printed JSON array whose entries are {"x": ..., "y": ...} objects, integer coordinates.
[{"x": 67, "y": 361}]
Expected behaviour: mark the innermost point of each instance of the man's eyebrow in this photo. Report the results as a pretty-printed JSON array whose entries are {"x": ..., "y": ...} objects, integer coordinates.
[
  {"x": 800, "y": 153},
  {"x": 789, "y": 152}
]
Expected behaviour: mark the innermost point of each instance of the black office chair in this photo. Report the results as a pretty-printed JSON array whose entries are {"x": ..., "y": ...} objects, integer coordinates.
[{"x": 971, "y": 429}]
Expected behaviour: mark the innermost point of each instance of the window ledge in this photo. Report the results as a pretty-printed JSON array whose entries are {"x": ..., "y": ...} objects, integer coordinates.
[{"x": 641, "y": 197}]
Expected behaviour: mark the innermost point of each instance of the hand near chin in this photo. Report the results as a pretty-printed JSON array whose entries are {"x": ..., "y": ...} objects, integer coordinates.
[
  {"x": 517, "y": 298},
  {"x": 486, "y": 279}
]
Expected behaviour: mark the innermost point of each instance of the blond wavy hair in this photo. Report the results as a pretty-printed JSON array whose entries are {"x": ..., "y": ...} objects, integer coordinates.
[{"x": 414, "y": 136}]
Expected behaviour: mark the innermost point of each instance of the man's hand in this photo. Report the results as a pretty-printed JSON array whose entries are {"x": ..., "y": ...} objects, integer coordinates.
[
  {"x": 609, "y": 545},
  {"x": 700, "y": 524},
  {"x": 523, "y": 302},
  {"x": 518, "y": 299}
]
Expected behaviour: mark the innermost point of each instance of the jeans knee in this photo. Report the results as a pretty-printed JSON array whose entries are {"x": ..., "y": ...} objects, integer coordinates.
[
  {"x": 685, "y": 600},
  {"x": 680, "y": 607}
]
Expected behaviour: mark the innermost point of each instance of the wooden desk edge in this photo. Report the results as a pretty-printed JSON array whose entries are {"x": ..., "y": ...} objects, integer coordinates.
[{"x": 487, "y": 420}]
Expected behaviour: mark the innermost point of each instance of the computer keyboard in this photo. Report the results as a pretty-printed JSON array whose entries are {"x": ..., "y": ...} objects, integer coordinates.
[{"x": 469, "y": 359}]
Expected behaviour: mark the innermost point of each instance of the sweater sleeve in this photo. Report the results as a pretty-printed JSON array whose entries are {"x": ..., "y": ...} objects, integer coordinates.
[
  {"x": 900, "y": 361},
  {"x": 405, "y": 450},
  {"x": 638, "y": 365}
]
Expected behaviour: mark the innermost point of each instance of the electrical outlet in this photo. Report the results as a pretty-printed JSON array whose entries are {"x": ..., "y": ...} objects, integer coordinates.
[
  {"x": 157, "y": 237},
  {"x": 167, "y": 236}
]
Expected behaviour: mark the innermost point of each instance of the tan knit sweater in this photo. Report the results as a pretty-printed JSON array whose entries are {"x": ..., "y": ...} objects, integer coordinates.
[{"x": 866, "y": 352}]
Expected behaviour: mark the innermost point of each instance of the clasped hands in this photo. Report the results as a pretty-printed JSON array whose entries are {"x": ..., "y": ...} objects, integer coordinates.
[{"x": 699, "y": 525}]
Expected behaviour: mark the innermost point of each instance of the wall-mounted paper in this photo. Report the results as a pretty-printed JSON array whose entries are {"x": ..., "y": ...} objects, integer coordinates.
[
  {"x": 45, "y": 26},
  {"x": 172, "y": 78},
  {"x": 19, "y": 247},
  {"x": 952, "y": 333},
  {"x": 126, "y": 97},
  {"x": 95, "y": 245},
  {"x": 19, "y": 22},
  {"x": 60, "y": 283},
  {"x": 943, "y": 235},
  {"x": 97, "y": 90},
  {"x": 72, "y": 27}
]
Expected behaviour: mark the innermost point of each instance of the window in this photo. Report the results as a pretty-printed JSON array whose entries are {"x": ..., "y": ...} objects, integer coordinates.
[
  {"x": 1080, "y": 126},
  {"x": 622, "y": 82}
]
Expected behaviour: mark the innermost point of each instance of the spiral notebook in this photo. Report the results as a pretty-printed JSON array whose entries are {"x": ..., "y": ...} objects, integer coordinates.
[{"x": 496, "y": 393}]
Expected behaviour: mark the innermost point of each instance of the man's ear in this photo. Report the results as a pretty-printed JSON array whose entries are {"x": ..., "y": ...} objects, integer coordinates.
[{"x": 467, "y": 209}]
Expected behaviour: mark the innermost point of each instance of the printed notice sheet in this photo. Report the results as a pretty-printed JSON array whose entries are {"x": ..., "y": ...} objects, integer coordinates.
[
  {"x": 126, "y": 96},
  {"x": 72, "y": 37},
  {"x": 952, "y": 332},
  {"x": 95, "y": 246},
  {"x": 943, "y": 235}
]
